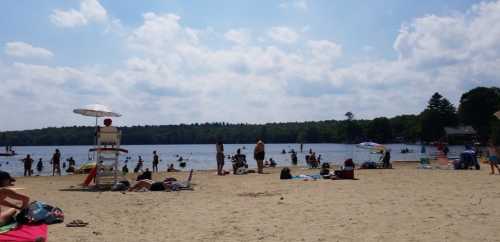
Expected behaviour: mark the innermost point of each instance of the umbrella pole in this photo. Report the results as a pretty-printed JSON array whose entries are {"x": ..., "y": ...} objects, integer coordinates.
[{"x": 95, "y": 138}]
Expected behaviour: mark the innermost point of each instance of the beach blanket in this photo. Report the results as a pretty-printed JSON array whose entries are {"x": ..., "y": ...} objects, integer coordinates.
[
  {"x": 307, "y": 177},
  {"x": 26, "y": 233}
]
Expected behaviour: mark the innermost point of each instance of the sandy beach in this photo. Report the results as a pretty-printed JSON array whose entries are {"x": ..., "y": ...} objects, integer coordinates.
[{"x": 402, "y": 204}]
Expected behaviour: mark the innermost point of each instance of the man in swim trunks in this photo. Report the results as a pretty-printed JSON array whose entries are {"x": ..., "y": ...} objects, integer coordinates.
[
  {"x": 56, "y": 163},
  {"x": 156, "y": 160},
  {"x": 219, "y": 147},
  {"x": 493, "y": 157}
]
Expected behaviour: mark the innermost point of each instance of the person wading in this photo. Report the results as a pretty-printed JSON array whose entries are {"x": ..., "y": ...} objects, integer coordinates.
[
  {"x": 259, "y": 155},
  {"x": 220, "y": 158},
  {"x": 56, "y": 163},
  {"x": 28, "y": 162}
]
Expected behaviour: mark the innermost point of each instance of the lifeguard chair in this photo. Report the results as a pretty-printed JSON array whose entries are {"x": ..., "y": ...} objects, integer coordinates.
[{"x": 107, "y": 155}]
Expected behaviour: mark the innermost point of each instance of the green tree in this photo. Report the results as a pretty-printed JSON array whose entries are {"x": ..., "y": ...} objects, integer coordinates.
[
  {"x": 438, "y": 114},
  {"x": 380, "y": 130},
  {"x": 477, "y": 107}
]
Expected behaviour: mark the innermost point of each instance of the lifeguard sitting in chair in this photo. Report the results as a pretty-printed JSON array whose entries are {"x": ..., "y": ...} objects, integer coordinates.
[
  {"x": 107, "y": 152},
  {"x": 108, "y": 135}
]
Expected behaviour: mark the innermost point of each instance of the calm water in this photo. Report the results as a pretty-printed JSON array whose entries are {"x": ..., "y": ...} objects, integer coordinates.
[{"x": 203, "y": 156}]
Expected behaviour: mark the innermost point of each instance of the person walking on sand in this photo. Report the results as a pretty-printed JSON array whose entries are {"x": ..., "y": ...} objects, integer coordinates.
[
  {"x": 259, "y": 155},
  {"x": 493, "y": 157},
  {"x": 156, "y": 160},
  {"x": 56, "y": 163},
  {"x": 219, "y": 147},
  {"x": 28, "y": 162}
]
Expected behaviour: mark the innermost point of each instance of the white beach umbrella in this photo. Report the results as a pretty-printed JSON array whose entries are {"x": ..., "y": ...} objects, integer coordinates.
[
  {"x": 497, "y": 114},
  {"x": 96, "y": 110}
]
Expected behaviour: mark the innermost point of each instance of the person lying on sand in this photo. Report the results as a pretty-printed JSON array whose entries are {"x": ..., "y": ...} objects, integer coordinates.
[
  {"x": 8, "y": 194},
  {"x": 168, "y": 184}
]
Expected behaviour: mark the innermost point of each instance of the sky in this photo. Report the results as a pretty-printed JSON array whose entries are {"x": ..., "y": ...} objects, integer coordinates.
[{"x": 185, "y": 61}]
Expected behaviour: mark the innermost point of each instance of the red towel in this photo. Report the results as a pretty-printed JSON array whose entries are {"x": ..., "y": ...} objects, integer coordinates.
[{"x": 26, "y": 233}]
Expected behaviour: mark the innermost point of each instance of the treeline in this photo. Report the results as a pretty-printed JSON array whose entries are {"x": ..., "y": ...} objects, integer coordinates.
[{"x": 476, "y": 108}]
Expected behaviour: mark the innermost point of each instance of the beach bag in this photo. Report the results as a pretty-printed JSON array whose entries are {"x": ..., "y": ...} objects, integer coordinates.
[
  {"x": 285, "y": 174},
  {"x": 40, "y": 213}
]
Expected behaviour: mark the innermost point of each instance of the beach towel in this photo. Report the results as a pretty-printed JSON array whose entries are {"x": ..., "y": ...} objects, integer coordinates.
[
  {"x": 307, "y": 177},
  {"x": 26, "y": 233},
  {"x": 8, "y": 227}
]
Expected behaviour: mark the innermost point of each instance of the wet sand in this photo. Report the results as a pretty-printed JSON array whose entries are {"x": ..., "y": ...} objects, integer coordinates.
[{"x": 402, "y": 204}]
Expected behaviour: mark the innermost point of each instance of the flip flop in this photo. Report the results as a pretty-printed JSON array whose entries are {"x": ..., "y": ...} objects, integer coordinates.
[{"x": 77, "y": 223}]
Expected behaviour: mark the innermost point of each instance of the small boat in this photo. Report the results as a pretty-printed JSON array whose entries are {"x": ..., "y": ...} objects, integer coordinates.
[{"x": 9, "y": 153}]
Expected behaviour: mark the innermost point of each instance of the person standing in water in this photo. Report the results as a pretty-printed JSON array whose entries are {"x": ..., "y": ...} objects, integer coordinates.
[
  {"x": 28, "y": 162},
  {"x": 259, "y": 156},
  {"x": 219, "y": 147},
  {"x": 56, "y": 163},
  {"x": 493, "y": 157},
  {"x": 156, "y": 160},
  {"x": 139, "y": 165},
  {"x": 39, "y": 165}
]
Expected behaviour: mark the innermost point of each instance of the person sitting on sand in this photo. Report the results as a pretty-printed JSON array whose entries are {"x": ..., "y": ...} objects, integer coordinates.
[
  {"x": 171, "y": 168},
  {"x": 272, "y": 163},
  {"x": 146, "y": 175},
  {"x": 239, "y": 162},
  {"x": 349, "y": 165},
  {"x": 6, "y": 197},
  {"x": 125, "y": 169}
]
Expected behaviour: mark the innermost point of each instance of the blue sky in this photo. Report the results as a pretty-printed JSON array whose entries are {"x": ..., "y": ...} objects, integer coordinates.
[{"x": 162, "y": 62}]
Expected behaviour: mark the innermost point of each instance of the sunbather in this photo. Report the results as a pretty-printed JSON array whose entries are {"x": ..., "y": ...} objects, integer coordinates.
[
  {"x": 8, "y": 194},
  {"x": 150, "y": 185},
  {"x": 168, "y": 184}
]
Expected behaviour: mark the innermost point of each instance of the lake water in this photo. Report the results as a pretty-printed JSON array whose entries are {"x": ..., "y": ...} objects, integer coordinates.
[{"x": 202, "y": 157}]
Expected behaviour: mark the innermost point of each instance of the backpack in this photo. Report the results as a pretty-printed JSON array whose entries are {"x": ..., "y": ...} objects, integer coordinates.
[
  {"x": 40, "y": 213},
  {"x": 285, "y": 174}
]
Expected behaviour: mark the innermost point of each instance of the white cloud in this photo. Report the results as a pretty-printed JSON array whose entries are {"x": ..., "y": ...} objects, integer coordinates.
[
  {"x": 295, "y": 4},
  {"x": 283, "y": 35},
  {"x": 174, "y": 75},
  {"x": 238, "y": 36},
  {"x": 90, "y": 11},
  {"x": 325, "y": 51},
  {"x": 25, "y": 50}
]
